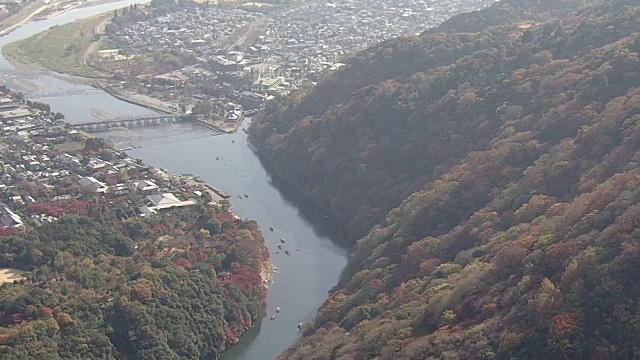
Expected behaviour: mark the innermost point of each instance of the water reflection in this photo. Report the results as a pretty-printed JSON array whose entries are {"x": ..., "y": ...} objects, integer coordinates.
[
  {"x": 226, "y": 162},
  {"x": 324, "y": 224}
]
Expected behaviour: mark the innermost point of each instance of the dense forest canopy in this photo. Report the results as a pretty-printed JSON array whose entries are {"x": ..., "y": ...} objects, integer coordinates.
[
  {"x": 98, "y": 287},
  {"x": 490, "y": 172},
  {"x": 357, "y": 141}
]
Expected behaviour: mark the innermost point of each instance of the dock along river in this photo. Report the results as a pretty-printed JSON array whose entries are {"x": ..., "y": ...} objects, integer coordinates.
[{"x": 314, "y": 240}]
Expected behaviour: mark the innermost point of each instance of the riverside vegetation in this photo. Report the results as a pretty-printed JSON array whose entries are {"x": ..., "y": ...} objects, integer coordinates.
[
  {"x": 96, "y": 290},
  {"x": 85, "y": 277},
  {"x": 99, "y": 287},
  {"x": 488, "y": 170}
]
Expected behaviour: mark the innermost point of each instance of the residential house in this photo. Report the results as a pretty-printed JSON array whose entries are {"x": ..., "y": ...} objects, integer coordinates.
[
  {"x": 163, "y": 201},
  {"x": 145, "y": 186},
  {"x": 93, "y": 185},
  {"x": 8, "y": 218},
  {"x": 97, "y": 164}
]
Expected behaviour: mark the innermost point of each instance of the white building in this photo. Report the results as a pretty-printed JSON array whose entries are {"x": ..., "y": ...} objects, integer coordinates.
[
  {"x": 168, "y": 200},
  {"x": 145, "y": 186},
  {"x": 163, "y": 201}
]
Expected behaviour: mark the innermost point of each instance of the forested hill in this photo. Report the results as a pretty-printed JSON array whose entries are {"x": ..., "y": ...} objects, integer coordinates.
[
  {"x": 511, "y": 158},
  {"x": 365, "y": 138},
  {"x": 184, "y": 285},
  {"x": 508, "y": 12}
]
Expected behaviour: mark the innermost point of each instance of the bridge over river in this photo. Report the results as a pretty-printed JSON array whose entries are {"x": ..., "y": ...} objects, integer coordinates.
[
  {"x": 130, "y": 122},
  {"x": 63, "y": 93}
]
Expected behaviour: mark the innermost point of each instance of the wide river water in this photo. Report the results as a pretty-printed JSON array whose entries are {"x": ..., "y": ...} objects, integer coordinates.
[{"x": 315, "y": 242}]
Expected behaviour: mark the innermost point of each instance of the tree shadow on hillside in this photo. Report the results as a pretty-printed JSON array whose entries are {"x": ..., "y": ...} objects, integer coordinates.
[{"x": 321, "y": 220}]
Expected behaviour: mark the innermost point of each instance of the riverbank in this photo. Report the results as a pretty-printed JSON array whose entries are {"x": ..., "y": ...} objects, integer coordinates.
[
  {"x": 65, "y": 50},
  {"x": 266, "y": 268},
  {"x": 32, "y": 10},
  {"x": 23, "y": 16},
  {"x": 139, "y": 211},
  {"x": 267, "y": 271},
  {"x": 62, "y": 49},
  {"x": 137, "y": 99}
]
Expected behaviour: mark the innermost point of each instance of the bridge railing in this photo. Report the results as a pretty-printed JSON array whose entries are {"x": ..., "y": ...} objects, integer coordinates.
[
  {"x": 52, "y": 94},
  {"x": 136, "y": 119}
]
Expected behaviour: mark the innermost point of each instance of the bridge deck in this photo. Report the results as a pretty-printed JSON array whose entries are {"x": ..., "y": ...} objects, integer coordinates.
[
  {"x": 135, "y": 119},
  {"x": 54, "y": 94}
]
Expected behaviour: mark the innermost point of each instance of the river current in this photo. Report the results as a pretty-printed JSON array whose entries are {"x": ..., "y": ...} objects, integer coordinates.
[{"x": 314, "y": 240}]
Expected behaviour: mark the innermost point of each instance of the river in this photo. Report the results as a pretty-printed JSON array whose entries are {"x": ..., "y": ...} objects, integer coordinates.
[{"x": 315, "y": 242}]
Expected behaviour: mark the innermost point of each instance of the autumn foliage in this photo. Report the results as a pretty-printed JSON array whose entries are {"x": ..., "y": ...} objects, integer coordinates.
[
  {"x": 90, "y": 271},
  {"x": 488, "y": 170}
]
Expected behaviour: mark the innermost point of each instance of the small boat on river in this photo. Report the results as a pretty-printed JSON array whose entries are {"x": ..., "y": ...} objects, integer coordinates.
[
  {"x": 282, "y": 240},
  {"x": 300, "y": 325},
  {"x": 271, "y": 228},
  {"x": 287, "y": 252},
  {"x": 278, "y": 310},
  {"x": 273, "y": 317}
]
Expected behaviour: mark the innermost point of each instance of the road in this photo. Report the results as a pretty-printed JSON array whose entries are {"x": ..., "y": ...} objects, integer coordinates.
[{"x": 249, "y": 32}]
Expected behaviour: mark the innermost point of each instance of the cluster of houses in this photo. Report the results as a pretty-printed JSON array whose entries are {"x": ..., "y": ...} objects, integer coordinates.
[
  {"x": 50, "y": 164},
  {"x": 278, "y": 51}
]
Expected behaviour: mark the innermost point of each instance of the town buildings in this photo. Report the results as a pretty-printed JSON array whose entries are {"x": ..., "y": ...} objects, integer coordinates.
[
  {"x": 47, "y": 170},
  {"x": 223, "y": 53}
]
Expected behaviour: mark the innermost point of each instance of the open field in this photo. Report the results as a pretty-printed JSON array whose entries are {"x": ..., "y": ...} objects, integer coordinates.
[
  {"x": 69, "y": 147},
  {"x": 62, "y": 49},
  {"x": 7, "y": 275}
]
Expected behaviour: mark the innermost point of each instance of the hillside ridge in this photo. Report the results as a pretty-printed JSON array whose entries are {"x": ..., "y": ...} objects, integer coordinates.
[{"x": 490, "y": 178}]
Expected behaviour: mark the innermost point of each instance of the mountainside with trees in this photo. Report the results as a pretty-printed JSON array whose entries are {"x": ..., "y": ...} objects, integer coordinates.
[
  {"x": 100, "y": 286},
  {"x": 356, "y": 142},
  {"x": 491, "y": 177}
]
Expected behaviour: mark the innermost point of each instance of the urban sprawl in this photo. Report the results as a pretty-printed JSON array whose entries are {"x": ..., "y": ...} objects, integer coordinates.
[
  {"x": 229, "y": 60},
  {"x": 48, "y": 169}
]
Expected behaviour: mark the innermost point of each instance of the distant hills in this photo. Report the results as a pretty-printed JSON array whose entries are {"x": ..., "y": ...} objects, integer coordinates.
[{"x": 488, "y": 170}]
